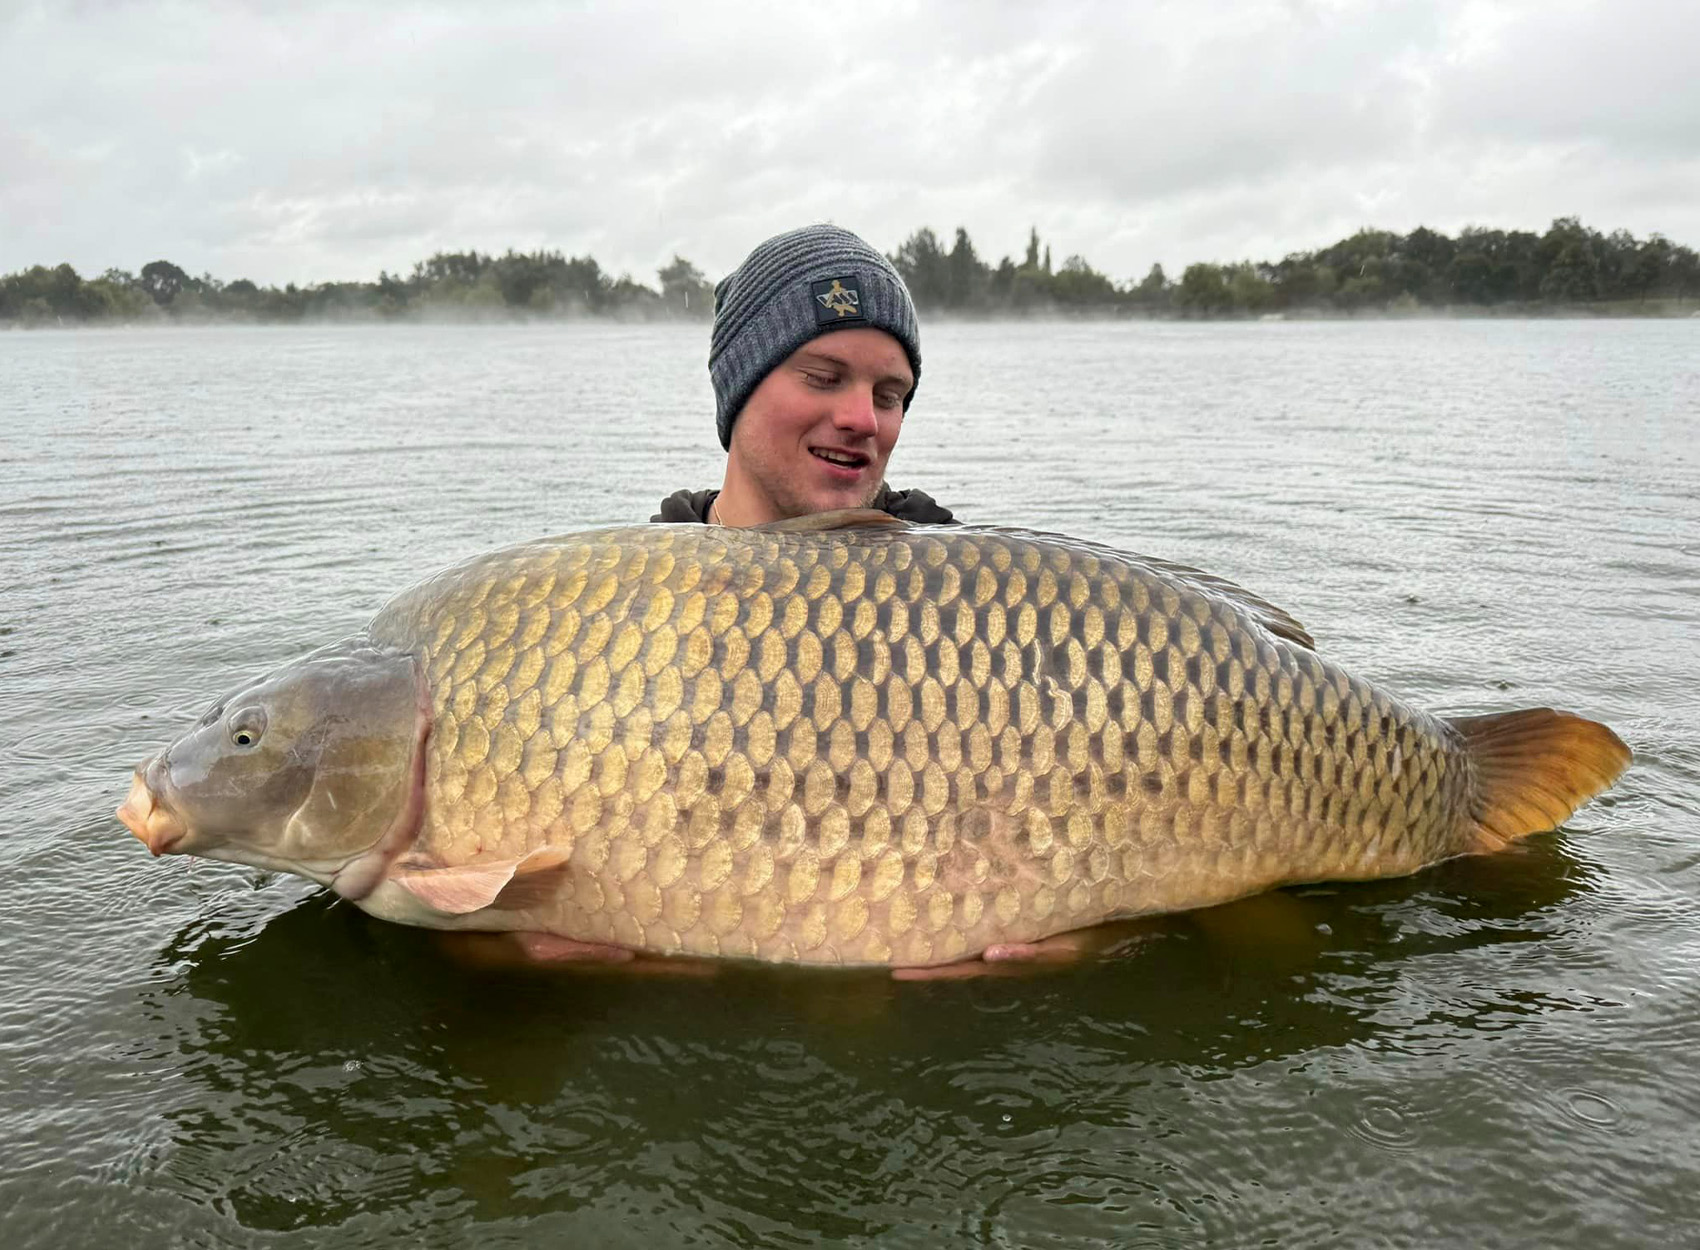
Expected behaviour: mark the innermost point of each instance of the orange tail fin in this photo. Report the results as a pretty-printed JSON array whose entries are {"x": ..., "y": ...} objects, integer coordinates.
[{"x": 1534, "y": 768}]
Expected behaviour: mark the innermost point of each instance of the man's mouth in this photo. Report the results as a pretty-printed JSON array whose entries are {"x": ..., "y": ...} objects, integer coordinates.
[{"x": 838, "y": 458}]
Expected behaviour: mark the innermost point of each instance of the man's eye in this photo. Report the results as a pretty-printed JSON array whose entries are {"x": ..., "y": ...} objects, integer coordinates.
[{"x": 822, "y": 380}]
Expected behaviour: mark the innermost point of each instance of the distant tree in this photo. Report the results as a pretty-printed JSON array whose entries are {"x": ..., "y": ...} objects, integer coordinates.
[
  {"x": 684, "y": 289},
  {"x": 1664, "y": 268},
  {"x": 40, "y": 294},
  {"x": 525, "y": 279},
  {"x": 163, "y": 281},
  {"x": 1153, "y": 290},
  {"x": 1422, "y": 259},
  {"x": 1364, "y": 289},
  {"x": 1516, "y": 271},
  {"x": 1302, "y": 281},
  {"x": 580, "y": 286},
  {"x": 1362, "y": 257},
  {"x": 394, "y": 294},
  {"x": 1469, "y": 278},
  {"x": 629, "y": 298},
  {"x": 1029, "y": 291},
  {"x": 1032, "y": 260},
  {"x": 1616, "y": 263},
  {"x": 1203, "y": 289},
  {"x": 448, "y": 270},
  {"x": 1574, "y": 276},
  {"x": 1249, "y": 289},
  {"x": 1683, "y": 273},
  {"x": 966, "y": 277},
  {"x": 113, "y": 296},
  {"x": 1078, "y": 285},
  {"x": 925, "y": 268},
  {"x": 1569, "y": 256},
  {"x": 289, "y": 304},
  {"x": 1368, "y": 269},
  {"x": 1640, "y": 270}
]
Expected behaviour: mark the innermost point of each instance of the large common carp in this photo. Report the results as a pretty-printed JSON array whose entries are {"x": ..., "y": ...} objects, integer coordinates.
[{"x": 838, "y": 740}]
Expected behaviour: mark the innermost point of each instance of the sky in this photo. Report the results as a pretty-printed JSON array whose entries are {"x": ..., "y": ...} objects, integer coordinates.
[{"x": 307, "y": 142}]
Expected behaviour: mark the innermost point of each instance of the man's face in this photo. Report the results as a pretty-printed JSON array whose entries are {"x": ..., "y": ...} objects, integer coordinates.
[{"x": 816, "y": 434}]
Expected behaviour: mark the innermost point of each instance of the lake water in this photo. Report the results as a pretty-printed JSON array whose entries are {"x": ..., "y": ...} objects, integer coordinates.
[{"x": 1502, "y": 1051}]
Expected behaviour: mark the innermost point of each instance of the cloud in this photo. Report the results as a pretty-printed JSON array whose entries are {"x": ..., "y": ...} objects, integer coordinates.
[
  {"x": 314, "y": 141},
  {"x": 1617, "y": 77}
]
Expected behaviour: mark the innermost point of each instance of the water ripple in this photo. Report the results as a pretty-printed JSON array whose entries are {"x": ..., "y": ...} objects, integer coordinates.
[{"x": 1483, "y": 514}]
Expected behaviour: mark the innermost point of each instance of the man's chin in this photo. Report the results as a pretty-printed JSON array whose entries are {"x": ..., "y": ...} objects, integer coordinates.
[
  {"x": 846, "y": 502},
  {"x": 832, "y": 500}
]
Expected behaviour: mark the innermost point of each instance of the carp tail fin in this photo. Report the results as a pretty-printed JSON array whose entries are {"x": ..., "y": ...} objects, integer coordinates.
[{"x": 1534, "y": 768}]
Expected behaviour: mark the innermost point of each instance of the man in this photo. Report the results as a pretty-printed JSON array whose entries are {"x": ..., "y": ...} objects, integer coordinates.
[{"x": 815, "y": 357}]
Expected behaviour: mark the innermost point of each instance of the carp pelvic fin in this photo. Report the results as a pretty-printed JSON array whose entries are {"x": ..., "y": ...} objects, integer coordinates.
[
  {"x": 1534, "y": 768},
  {"x": 466, "y": 888},
  {"x": 841, "y": 519}
]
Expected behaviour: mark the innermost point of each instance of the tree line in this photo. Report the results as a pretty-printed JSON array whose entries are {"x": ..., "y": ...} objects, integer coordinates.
[
  {"x": 450, "y": 285},
  {"x": 1373, "y": 271}
]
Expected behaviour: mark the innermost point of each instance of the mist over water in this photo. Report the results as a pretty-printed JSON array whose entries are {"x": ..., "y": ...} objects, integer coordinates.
[{"x": 1501, "y": 1051}]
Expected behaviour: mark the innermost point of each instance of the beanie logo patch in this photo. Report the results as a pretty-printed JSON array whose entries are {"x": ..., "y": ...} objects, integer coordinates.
[{"x": 836, "y": 301}]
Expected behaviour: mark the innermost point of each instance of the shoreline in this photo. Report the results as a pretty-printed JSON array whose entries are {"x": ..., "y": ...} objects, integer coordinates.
[{"x": 1653, "y": 310}]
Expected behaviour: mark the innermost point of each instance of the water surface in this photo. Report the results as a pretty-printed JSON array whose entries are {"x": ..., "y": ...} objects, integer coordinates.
[{"x": 1498, "y": 1052}]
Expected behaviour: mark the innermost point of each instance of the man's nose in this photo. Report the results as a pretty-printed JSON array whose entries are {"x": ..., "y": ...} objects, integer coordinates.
[{"x": 855, "y": 412}]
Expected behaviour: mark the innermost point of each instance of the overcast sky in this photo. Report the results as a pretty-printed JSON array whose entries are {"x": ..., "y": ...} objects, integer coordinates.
[{"x": 305, "y": 142}]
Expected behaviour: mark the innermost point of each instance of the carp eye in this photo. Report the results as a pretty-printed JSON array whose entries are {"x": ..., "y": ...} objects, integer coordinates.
[{"x": 247, "y": 726}]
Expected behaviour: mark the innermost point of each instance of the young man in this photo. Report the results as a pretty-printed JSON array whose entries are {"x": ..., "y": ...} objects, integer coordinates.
[{"x": 814, "y": 357}]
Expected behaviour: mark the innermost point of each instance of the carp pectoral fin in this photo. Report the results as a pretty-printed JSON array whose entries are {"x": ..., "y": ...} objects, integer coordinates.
[
  {"x": 841, "y": 519},
  {"x": 511, "y": 883},
  {"x": 1534, "y": 768},
  {"x": 532, "y": 888}
]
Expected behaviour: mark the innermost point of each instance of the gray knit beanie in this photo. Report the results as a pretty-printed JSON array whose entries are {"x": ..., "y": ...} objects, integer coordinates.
[{"x": 793, "y": 287}]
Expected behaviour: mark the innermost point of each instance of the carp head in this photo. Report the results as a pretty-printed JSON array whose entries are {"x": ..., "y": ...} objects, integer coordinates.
[{"x": 316, "y": 768}]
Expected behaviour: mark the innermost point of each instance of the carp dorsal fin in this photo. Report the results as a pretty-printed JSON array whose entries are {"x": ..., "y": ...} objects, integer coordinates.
[
  {"x": 465, "y": 888},
  {"x": 1535, "y": 767},
  {"x": 1277, "y": 621},
  {"x": 840, "y": 519}
]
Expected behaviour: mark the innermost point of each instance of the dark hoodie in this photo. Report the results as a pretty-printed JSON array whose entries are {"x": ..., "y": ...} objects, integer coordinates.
[{"x": 906, "y": 505}]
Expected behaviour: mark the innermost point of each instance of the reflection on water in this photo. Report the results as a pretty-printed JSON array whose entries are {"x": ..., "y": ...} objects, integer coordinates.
[
  {"x": 1500, "y": 1051},
  {"x": 330, "y": 1064}
]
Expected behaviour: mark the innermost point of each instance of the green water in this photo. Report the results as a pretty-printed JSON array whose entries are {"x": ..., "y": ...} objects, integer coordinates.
[{"x": 1499, "y": 1052}]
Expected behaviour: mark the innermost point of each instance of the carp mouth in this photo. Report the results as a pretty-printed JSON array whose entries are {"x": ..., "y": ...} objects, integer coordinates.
[{"x": 156, "y": 826}]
